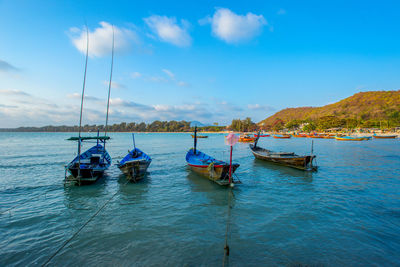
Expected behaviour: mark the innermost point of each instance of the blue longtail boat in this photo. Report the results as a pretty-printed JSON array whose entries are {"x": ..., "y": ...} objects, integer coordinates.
[
  {"x": 134, "y": 165},
  {"x": 213, "y": 169},
  {"x": 90, "y": 165}
]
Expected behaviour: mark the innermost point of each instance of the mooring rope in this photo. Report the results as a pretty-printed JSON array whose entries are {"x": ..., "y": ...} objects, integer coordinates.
[
  {"x": 29, "y": 199},
  {"x": 226, "y": 247},
  {"x": 83, "y": 226}
]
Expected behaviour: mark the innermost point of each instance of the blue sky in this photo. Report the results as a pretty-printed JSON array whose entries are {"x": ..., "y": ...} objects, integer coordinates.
[{"x": 209, "y": 61}]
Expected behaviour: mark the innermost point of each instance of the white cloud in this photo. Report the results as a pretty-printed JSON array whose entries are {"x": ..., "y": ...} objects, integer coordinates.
[
  {"x": 183, "y": 84},
  {"x": 168, "y": 30},
  {"x": 136, "y": 74},
  {"x": 100, "y": 40},
  {"x": 13, "y": 92},
  {"x": 160, "y": 79},
  {"x": 233, "y": 28},
  {"x": 115, "y": 85},
  {"x": 259, "y": 107},
  {"x": 281, "y": 12},
  {"x": 169, "y": 73}
]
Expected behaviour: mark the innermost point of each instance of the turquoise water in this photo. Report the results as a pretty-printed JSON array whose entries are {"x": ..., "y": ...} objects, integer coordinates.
[{"x": 347, "y": 213}]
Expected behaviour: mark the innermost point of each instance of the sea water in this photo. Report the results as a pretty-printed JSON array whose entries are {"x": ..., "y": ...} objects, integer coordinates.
[{"x": 345, "y": 214}]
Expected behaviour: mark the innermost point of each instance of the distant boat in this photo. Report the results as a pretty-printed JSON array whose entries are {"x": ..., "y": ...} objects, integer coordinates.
[
  {"x": 318, "y": 136},
  {"x": 261, "y": 135},
  {"x": 134, "y": 165},
  {"x": 352, "y": 138},
  {"x": 385, "y": 136},
  {"x": 211, "y": 168},
  {"x": 282, "y": 136},
  {"x": 245, "y": 138},
  {"x": 299, "y": 135},
  {"x": 200, "y": 136}
]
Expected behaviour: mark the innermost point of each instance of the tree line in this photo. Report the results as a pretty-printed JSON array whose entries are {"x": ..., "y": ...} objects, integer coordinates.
[{"x": 155, "y": 126}]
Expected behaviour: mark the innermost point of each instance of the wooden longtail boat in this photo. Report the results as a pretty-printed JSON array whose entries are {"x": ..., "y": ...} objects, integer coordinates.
[
  {"x": 90, "y": 165},
  {"x": 200, "y": 136},
  {"x": 209, "y": 167},
  {"x": 385, "y": 136},
  {"x": 352, "y": 138},
  {"x": 282, "y": 136},
  {"x": 289, "y": 159},
  {"x": 246, "y": 138},
  {"x": 134, "y": 165}
]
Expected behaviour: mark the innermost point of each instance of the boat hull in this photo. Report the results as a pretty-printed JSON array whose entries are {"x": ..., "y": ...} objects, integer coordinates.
[
  {"x": 299, "y": 135},
  {"x": 200, "y": 136},
  {"x": 262, "y": 135},
  {"x": 134, "y": 165},
  {"x": 135, "y": 170},
  {"x": 246, "y": 140},
  {"x": 352, "y": 138},
  {"x": 286, "y": 159},
  {"x": 218, "y": 174},
  {"x": 282, "y": 136},
  {"x": 385, "y": 136}
]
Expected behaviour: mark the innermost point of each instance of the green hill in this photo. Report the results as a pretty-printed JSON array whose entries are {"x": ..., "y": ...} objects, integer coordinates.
[{"x": 364, "y": 106}]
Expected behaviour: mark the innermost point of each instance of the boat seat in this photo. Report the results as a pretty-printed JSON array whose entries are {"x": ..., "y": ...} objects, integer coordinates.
[{"x": 94, "y": 160}]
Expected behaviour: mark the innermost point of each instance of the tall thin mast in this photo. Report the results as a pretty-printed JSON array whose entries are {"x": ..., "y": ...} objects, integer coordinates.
[
  {"x": 109, "y": 85},
  {"x": 83, "y": 94}
]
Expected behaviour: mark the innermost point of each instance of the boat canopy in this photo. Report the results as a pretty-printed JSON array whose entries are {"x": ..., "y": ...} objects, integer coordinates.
[{"x": 74, "y": 138}]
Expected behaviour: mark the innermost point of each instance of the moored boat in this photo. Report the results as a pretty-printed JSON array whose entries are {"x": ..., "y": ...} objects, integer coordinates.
[
  {"x": 215, "y": 170},
  {"x": 200, "y": 136},
  {"x": 384, "y": 136},
  {"x": 245, "y": 138},
  {"x": 90, "y": 165},
  {"x": 261, "y": 135},
  {"x": 134, "y": 165},
  {"x": 352, "y": 138},
  {"x": 299, "y": 135},
  {"x": 289, "y": 159},
  {"x": 211, "y": 168},
  {"x": 282, "y": 136}
]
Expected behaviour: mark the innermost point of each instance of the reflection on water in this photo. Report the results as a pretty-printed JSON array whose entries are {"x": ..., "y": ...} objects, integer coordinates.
[{"x": 284, "y": 170}]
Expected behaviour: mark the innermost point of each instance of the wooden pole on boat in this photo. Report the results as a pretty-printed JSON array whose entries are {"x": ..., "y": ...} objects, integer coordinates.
[
  {"x": 109, "y": 87},
  {"x": 230, "y": 166},
  {"x": 312, "y": 147},
  {"x": 83, "y": 94},
  {"x": 195, "y": 139},
  {"x": 258, "y": 137},
  {"x": 134, "y": 145}
]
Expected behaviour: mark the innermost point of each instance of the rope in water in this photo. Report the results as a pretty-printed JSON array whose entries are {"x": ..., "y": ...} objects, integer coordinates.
[
  {"x": 29, "y": 199},
  {"x": 226, "y": 248},
  {"x": 83, "y": 226}
]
